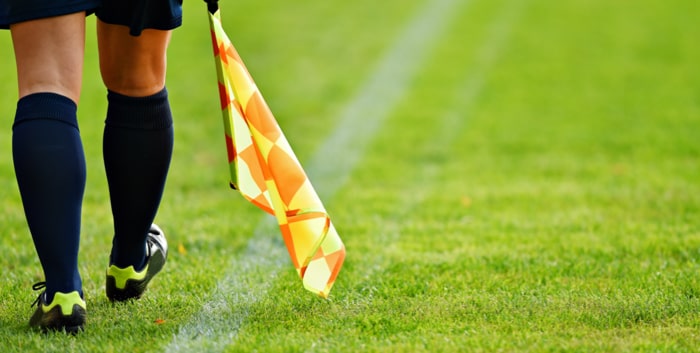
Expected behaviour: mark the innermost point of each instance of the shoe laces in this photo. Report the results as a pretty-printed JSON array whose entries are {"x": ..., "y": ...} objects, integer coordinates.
[{"x": 38, "y": 286}]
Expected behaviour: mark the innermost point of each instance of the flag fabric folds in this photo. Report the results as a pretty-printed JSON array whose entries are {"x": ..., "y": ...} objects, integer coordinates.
[{"x": 265, "y": 170}]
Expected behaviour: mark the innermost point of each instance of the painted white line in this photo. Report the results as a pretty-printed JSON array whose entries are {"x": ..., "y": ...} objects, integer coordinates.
[
  {"x": 452, "y": 123},
  {"x": 453, "y": 120},
  {"x": 249, "y": 276},
  {"x": 387, "y": 85}
]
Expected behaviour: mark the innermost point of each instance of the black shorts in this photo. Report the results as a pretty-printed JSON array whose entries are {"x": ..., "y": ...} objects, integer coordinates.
[
  {"x": 136, "y": 14},
  {"x": 141, "y": 14}
]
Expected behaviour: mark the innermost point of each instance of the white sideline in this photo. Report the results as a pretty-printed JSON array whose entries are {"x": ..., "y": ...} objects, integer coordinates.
[
  {"x": 222, "y": 316},
  {"x": 451, "y": 124}
]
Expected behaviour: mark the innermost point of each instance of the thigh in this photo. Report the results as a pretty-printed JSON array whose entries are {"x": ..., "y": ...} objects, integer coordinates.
[
  {"x": 132, "y": 65},
  {"x": 49, "y": 54},
  {"x": 133, "y": 37}
]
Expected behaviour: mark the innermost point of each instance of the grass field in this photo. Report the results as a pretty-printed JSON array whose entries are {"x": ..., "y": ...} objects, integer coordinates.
[{"x": 507, "y": 175}]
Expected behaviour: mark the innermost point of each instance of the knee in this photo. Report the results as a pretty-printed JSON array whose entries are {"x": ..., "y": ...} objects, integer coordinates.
[{"x": 134, "y": 81}]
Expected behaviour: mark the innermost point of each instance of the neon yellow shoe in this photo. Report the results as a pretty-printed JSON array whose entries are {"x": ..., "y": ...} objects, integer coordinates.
[
  {"x": 66, "y": 312},
  {"x": 127, "y": 283}
]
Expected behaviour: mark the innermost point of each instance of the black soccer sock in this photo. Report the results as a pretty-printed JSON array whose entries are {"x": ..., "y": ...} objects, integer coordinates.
[
  {"x": 50, "y": 169},
  {"x": 137, "y": 148}
]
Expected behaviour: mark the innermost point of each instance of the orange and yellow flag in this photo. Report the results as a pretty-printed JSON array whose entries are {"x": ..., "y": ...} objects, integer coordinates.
[{"x": 267, "y": 173}]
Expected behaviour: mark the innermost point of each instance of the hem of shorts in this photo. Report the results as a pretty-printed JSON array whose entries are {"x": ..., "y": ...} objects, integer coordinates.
[
  {"x": 88, "y": 7},
  {"x": 164, "y": 26}
]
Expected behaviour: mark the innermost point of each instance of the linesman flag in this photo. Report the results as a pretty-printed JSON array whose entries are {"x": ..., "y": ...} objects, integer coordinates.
[{"x": 267, "y": 173}]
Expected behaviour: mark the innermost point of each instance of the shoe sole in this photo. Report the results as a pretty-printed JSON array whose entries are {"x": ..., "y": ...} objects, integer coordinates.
[{"x": 55, "y": 321}]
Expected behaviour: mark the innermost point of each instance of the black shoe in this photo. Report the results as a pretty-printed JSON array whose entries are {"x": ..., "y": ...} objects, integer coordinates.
[
  {"x": 126, "y": 283},
  {"x": 65, "y": 313}
]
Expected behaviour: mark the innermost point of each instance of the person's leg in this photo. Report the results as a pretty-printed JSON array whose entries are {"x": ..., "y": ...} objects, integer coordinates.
[
  {"x": 133, "y": 66},
  {"x": 138, "y": 135},
  {"x": 46, "y": 146},
  {"x": 49, "y": 54}
]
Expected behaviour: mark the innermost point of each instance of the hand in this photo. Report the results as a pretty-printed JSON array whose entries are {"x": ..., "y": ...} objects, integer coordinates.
[{"x": 212, "y": 5}]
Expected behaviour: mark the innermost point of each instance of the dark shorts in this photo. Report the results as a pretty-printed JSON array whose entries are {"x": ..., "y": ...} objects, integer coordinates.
[
  {"x": 141, "y": 14},
  {"x": 136, "y": 14}
]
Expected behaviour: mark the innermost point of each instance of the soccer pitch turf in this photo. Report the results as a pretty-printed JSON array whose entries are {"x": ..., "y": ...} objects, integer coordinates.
[{"x": 507, "y": 175}]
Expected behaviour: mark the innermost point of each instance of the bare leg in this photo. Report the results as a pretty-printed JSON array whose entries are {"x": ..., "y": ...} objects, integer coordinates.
[
  {"x": 132, "y": 66},
  {"x": 49, "y": 54}
]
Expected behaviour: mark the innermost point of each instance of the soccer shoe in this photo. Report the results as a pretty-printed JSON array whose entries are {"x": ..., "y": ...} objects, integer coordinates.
[
  {"x": 66, "y": 312},
  {"x": 126, "y": 283}
]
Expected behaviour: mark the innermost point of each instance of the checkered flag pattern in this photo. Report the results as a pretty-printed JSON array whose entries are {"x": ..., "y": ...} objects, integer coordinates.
[{"x": 265, "y": 170}]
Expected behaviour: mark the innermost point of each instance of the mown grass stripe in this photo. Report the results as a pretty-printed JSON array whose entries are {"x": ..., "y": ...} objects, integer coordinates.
[
  {"x": 248, "y": 278},
  {"x": 452, "y": 121},
  {"x": 364, "y": 115}
]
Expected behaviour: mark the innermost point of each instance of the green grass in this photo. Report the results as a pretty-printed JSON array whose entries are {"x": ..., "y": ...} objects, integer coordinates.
[{"x": 534, "y": 190}]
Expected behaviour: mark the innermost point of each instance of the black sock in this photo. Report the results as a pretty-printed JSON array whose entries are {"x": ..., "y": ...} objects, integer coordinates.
[
  {"x": 50, "y": 168},
  {"x": 137, "y": 147}
]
